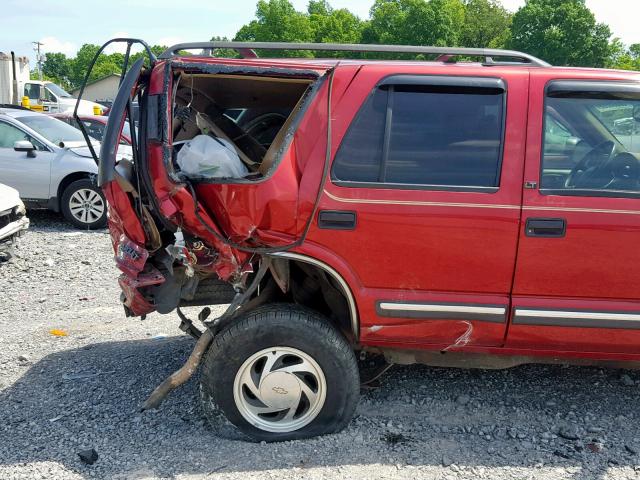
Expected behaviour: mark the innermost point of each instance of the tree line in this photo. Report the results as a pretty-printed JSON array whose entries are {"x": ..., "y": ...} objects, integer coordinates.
[{"x": 562, "y": 32}]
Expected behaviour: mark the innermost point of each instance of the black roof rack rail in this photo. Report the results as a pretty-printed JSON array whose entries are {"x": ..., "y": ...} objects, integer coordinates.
[{"x": 247, "y": 50}]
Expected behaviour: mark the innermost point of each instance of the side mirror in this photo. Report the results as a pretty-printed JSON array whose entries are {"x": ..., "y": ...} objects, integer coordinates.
[{"x": 25, "y": 146}]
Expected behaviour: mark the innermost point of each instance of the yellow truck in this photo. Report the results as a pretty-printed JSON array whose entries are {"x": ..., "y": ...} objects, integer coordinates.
[{"x": 17, "y": 88}]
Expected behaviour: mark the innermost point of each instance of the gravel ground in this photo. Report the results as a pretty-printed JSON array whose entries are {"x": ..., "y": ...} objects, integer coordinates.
[{"x": 63, "y": 394}]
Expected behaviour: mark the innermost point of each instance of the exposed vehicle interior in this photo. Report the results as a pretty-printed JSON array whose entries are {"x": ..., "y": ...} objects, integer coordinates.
[
  {"x": 251, "y": 112},
  {"x": 592, "y": 144}
]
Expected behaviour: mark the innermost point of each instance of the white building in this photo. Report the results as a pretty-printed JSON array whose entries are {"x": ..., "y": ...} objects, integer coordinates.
[
  {"x": 7, "y": 94},
  {"x": 101, "y": 90}
]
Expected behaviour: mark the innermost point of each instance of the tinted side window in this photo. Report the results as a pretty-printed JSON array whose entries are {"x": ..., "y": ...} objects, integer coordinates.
[
  {"x": 440, "y": 138},
  {"x": 32, "y": 90},
  {"x": 434, "y": 136},
  {"x": 360, "y": 154},
  {"x": 10, "y": 135},
  {"x": 591, "y": 143}
]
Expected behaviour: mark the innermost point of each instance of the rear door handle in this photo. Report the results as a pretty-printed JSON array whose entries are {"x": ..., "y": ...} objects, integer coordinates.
[
  {"x": 546, "y": 227},
  {"x": 337, "y": 220}
]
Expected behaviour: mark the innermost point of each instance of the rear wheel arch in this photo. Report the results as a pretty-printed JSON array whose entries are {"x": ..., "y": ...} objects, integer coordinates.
[
  {"x": 310, "y": 283},
  {"x": 84, "y": 205},
  {"x": 348, "y": 323},
  {"x": 65, "y": 182}
]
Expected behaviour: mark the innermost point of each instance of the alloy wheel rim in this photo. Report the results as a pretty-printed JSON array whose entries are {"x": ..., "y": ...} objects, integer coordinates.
[
  {"x": 279, "y": 389},
  {"x": 86, "y": 205}
]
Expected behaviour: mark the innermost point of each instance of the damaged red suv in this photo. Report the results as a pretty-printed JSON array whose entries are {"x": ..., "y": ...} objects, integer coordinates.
[{"x": 443, "y": 212}]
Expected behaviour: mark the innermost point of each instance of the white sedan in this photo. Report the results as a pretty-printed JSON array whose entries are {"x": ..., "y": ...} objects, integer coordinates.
[{"x": 13, "y": 219}]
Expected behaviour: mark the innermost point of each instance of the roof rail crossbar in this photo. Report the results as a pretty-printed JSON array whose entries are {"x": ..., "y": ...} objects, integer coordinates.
[{"x": 247, "y": 50}]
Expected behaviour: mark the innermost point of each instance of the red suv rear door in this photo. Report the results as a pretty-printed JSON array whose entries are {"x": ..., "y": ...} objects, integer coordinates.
[
  {"x": 576, "y": 285},
  {"x": 423, "y": 205}
]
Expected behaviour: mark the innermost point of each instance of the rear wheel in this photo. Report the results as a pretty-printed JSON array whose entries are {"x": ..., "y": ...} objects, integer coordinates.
[
  {"x": 280, "y": 373},
  {"x": 84, "y": 205}
]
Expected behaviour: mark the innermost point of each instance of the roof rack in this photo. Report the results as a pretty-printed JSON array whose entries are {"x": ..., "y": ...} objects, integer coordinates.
[{"x": 247, "y": 50}]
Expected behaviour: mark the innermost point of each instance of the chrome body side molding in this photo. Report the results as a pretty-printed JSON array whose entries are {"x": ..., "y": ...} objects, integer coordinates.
[
  {"x": 459, "y": 311},
  {"x": 577, "y": 318}
]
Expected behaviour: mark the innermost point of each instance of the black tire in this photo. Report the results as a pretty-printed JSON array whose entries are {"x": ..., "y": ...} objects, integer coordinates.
[
  {"x": 6, "y": 253},
  {"x": 281, "y": 325},
  {"x": 81, "y": 186}
]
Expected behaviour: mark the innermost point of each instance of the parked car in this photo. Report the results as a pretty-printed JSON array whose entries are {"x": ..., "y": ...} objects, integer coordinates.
[
  {"x": 49, "y": 163},
  {"x": 95, "y": 125},
  {"x": 134, "y": 110},
  {"x": 442, "y": 212},
  {"x": 13, "y": 219}
]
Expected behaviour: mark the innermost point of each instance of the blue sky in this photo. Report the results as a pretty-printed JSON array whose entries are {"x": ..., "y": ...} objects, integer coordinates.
[{"x": 64, "y": 25}]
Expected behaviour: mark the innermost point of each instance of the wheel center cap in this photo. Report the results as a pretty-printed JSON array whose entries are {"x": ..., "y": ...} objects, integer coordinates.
[{"x": 280, "y": 390}]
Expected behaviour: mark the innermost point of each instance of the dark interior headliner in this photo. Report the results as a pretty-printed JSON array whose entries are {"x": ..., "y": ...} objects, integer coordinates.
[{"x": 243, "y": 91}]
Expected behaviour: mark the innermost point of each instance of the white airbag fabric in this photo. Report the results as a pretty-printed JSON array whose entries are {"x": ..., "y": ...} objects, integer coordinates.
[{"x": 210, "y": 157}]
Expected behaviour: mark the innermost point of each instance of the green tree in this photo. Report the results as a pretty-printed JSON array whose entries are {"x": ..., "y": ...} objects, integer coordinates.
[
  {"x": 562, "y": 32},
  {"x": 625, "y": 58},
  {"x": 69, "y": 73},
  {"x": 57, "y": 67},
  {"x": 333, "y": 26},
  {"x": 155, "y": 49},
  {"x": 224, "y": 52},
  {"x": 277, "y": 21},
  {"x": 487, "y": 24},
  {"x": 415, "y": 22},
  {"x": 105, "y": 65}
]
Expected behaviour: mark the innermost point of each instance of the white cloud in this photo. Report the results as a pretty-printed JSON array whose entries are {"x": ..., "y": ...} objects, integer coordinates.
[
  {"x": 619, "y": 16},
  {"x": 169, "y": 41},
  {"x": 54, "y": 44},
  {"x": 616, "y": 14},
  {"x": 512, "y": 5}
]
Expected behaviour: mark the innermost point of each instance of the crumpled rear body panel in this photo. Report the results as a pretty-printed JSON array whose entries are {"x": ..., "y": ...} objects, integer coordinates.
[
  {"x": 263, "y": 212},
  {"x": 259, "y": 213}
]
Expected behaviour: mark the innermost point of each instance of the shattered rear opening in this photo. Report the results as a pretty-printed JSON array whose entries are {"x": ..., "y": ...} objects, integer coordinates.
[
  {"x": 228, "y": 128},
  {"x": 249, "y": 118}
]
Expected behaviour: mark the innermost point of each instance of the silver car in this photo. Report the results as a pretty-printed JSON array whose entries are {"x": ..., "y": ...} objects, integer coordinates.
[{"x": 49, "y": 163}]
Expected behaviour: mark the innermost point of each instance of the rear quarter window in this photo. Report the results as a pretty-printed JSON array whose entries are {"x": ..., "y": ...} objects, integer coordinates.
[{"x": 360, "y": 155}]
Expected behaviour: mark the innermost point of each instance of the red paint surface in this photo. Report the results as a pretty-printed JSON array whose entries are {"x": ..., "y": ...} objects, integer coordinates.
[
  {"x": 128, "y": 240},
  {"x": 595, "y": 267},
  {"x": 414, "y": 245}
]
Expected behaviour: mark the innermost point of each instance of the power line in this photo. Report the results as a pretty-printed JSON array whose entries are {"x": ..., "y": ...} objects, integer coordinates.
[{"x": 36, "y": 48}]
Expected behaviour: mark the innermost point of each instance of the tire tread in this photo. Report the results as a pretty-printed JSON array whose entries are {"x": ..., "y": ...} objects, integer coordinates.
[{"x": 310, "y": 321}]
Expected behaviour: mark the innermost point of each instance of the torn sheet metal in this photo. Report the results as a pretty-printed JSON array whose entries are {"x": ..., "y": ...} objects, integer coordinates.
[
  {"x": 280, "y": 272},
  {"x": 463, "y": 339}
]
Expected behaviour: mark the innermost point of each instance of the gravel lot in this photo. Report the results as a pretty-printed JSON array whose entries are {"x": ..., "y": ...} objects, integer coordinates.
[{"x": 62, "y": 394}]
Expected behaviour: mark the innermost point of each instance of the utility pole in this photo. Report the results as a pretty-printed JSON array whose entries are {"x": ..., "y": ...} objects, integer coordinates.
[{"x": 36, "y": 48}]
